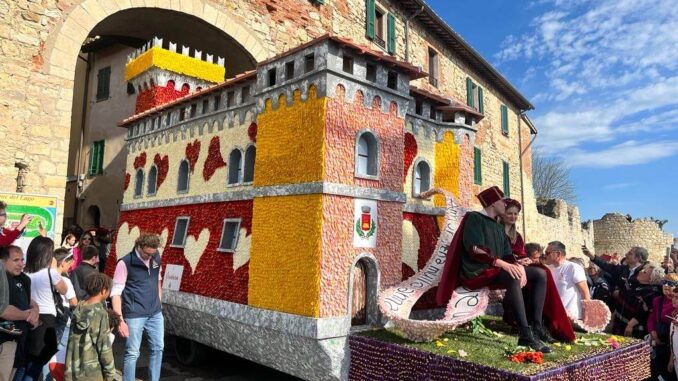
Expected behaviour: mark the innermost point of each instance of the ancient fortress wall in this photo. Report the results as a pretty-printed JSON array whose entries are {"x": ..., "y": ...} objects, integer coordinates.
[
  {"x": 558, "y": 221},
  {"x": 615, "y": 233}
]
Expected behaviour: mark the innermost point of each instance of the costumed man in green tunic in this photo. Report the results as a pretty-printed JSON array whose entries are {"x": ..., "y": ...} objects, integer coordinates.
[{"x": 480, "y": 256}]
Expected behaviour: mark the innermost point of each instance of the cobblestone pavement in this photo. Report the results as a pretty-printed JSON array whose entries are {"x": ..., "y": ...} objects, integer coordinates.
[{"x": 219, "y": 366}]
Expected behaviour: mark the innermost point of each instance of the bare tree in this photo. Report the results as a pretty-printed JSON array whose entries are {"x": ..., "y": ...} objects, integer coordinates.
[{"x": 551, "y": 179}]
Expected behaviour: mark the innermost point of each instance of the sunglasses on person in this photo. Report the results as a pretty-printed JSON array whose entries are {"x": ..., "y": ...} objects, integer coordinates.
[
  {"x": 668, "y": 283},
  {"x": 3, "y": 214}
]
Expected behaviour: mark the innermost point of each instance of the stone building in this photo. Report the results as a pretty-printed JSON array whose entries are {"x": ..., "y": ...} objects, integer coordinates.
[
  {"x": 617, "y": 233},
  {"x": 391, "y": 103},
  {"x": 97, "y": 146},
  {"x": 41, "y": 43}
]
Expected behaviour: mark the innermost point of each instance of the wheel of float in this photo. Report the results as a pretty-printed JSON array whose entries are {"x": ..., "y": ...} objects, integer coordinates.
[{"x": 189, "y": 352}]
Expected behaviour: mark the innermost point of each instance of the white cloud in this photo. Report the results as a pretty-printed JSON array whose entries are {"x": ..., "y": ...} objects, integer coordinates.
[
  {"x": 625, "y": 154},
  {"x": 591, "y": 43},
  {"x": 618, "y": 186}
]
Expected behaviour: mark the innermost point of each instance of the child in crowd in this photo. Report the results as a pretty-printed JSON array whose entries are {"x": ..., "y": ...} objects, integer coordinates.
[{"x": 89, "y": 355}]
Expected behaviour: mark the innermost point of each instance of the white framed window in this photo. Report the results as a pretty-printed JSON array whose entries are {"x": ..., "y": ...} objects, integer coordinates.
[
  {"x": 229, "y": 235},
  {"x": 421, "y": 177},
  {"x": 180, "y": 231},
  {"x": 183, "y": 177},
  {"x": 139, "y": 183},
  {"x": 366, "y": 155},
  {"x": 250, "y": 156},
  {"x": 235, "y": 167},
  {"x": 152, "y": 181}
]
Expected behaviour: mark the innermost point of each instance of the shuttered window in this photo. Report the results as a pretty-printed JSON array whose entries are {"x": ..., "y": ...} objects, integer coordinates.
[
  {"x": 507, "y": 183},
  {"x": 477, "y": 168},
  {"x": 103, "y": 83},
  {"x": 391, "y": 34},
  {"x": 96, "y": 158},
  {"x": 469, "y": 92},
  {"x": 481, "y": 106},
  {"x": 370, "y": 13},
  {"x": 504, "y": 120},
  {"x": 474, "y": 96}
]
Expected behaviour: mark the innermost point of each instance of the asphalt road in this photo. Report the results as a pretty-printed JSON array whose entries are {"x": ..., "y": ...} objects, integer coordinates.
[{"x": 218, "y": 366}]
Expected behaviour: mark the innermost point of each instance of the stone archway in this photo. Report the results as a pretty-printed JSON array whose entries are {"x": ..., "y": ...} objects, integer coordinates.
[
  {"x": 62, "y": 47},
  {"x": 38, "y": 85}
]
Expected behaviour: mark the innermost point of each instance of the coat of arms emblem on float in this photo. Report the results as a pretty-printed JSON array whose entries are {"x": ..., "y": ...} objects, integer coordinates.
[{"x": 365, "y": 223}]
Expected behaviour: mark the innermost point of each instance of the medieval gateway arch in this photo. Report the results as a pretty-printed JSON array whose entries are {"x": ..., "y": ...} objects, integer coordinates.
[{"x": 40, "y": 47}]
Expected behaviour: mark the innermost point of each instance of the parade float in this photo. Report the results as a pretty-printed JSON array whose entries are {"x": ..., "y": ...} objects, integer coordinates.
[{"x": 296, "y": 211}]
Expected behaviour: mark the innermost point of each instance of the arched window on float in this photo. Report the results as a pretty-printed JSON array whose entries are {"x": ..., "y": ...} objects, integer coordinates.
[
  {"x": 235, "y": 167},
  {"x": 139, "y": 183},
  {"x": 421, "y": 177},
  {"x": 250, "y": 156},
  {"x": 183, "y": 177},
  {"x": 152, "y": 181},
  {"x": 367, "y": 155}
]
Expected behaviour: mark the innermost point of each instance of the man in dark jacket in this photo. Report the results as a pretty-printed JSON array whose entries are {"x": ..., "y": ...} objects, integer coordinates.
[
  {"x": 621, "y": 274},
  {"x": 89, "y": 265}
]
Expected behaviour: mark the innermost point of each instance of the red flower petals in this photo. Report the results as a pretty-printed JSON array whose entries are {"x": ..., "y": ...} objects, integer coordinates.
[
  {"x": 192, "y": 153},
  {"x": 214, "y": 159}
]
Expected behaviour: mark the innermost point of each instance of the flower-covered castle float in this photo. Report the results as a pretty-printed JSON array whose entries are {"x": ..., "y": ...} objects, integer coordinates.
[{"x": 288, "y": 196}]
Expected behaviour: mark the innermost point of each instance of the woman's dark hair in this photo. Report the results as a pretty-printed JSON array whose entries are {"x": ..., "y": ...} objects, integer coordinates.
[
  {"x": 39, "y": 254},
  {"x": 88, "y": 234}
]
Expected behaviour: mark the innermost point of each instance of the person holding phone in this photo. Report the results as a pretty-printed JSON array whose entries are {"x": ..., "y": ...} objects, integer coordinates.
[{"x": 8, "y": 236}]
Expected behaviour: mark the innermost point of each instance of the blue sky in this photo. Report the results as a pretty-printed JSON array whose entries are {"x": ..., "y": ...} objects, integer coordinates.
[{"x": 603, "y": 77}]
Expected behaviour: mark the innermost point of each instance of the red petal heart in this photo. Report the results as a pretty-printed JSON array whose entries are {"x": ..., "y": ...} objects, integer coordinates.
[
  {"x": 410, "y": 151},
  {"x": 192, "y": 153},
  {"x": 214, "y": 159}
]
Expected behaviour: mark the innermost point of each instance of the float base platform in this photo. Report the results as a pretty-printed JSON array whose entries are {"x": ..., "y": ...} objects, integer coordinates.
[{"x": 373, "y": 358}]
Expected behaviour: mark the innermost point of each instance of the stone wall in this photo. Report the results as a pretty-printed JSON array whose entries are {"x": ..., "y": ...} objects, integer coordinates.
[
  {"x": 615, "y": 233},
  {"x": 40, "y": 42},
  {"x": 562, "y": 223}
]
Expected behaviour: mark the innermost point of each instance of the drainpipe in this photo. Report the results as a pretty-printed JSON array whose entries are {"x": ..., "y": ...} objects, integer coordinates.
[
  {"x": 407, "y": 32},
  {"x": 78, "y": 162},
  {"x": 520, "y": 162}
]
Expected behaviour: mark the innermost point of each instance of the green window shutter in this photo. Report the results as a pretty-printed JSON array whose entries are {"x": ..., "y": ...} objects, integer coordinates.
[
  {"x": 370, "y": 14},
  {"x": 504, "y": 120},
  {"x": 507, "y": 183},
  {"x": 100, "y": 159},
  {"x": 481, "y": 107},
  {"x": 477, "y": 168},
  {"x": 469, "y": 92},
  {"x": 103, "y": 83},
  {"x": 391, "y": 34},
  {"x": 93, "y": 155}
]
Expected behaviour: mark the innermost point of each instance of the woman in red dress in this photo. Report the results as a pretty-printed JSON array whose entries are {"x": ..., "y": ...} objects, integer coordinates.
[{"x": 554, "y": 311}]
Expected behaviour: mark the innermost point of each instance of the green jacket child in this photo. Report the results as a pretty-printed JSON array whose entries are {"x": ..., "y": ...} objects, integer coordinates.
[{"x": 89, "y": 356}]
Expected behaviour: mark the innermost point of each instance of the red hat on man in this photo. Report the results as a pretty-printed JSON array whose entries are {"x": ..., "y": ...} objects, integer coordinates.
[{"x": 490, "y": 195}]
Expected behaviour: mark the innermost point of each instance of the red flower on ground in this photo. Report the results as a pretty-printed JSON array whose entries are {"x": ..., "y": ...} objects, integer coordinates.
[{"x": 528, "y": 357}]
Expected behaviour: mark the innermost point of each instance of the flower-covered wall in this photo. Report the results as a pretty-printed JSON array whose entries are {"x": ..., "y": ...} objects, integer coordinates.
[
  {"x": 285, "y": 259},
  {"x": 207, "y": 272},
  {"x": 208, "y": 156}
]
